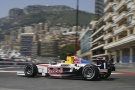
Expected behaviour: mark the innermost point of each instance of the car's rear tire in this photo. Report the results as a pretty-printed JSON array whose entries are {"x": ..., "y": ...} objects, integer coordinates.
[
  {"x": 30, "y": 70},
  {"x": 90, "y": 72},
  {"x": 107, "y": 74}
]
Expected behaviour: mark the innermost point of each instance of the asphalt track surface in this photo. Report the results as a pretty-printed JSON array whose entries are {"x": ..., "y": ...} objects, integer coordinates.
[{"x": 118, "y": 81}]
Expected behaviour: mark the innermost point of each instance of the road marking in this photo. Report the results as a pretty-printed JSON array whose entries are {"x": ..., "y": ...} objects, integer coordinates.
[
  {"x": 9, "y": 67},
  {"x": 123, "y": 73},
  {"x": 8, "y": 71},
  {"x": 20, "y": 73},
  {"x": 8, "y": 89},
  {"x": 115, "y": 73}
]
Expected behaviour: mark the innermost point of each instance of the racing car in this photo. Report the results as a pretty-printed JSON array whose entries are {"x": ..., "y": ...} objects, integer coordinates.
[{"x": 73, "y": 66}]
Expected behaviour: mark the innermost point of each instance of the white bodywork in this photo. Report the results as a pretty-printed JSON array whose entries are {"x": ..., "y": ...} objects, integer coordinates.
[{"x": 43, "y": 68}]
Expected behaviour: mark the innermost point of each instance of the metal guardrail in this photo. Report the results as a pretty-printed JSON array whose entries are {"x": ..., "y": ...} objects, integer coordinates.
[{"x": 6, "y": 63}]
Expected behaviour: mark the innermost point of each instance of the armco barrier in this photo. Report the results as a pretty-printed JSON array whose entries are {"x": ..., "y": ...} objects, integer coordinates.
[
  {"x": 5, "y": 63},
  {"x": 125, "y": 65}
]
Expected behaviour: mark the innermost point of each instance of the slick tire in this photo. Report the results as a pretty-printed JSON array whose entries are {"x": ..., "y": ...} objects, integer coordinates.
[
  {"x": 106, "y": 75},
  {"x": 90, "y": 72},
  {"x": 30, "y": 70}
]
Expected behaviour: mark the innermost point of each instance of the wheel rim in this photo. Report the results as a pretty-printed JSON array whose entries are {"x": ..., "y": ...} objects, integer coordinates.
[
  {"x": 29, "y": 70},
  {"x": 89, "y": 73}
]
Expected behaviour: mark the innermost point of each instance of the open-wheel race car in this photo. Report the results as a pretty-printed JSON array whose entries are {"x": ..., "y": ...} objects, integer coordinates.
[{"x": 74, "y": 66}]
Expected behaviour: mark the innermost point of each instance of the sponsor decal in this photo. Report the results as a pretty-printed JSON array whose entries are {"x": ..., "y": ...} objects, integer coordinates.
[{"x": 55, "y": 70}]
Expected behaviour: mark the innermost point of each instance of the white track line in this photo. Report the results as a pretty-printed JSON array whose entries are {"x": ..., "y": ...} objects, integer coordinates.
[
  {"x": 116, "y": 73},
  {"x": 8, "y": 71},
  {"x": 8, "y": 67}
]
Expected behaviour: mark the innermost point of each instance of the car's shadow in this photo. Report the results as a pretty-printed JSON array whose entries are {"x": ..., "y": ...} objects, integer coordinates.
[
  {"x": 73, "y": 78},
  {"x": 108, "y": 79},
  {"x": 80, "y": 78}
]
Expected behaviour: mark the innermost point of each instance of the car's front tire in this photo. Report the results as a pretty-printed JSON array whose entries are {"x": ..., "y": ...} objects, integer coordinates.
[
  {"x": 30, "y": 70},
  {"x": 90, "y": 72}
]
